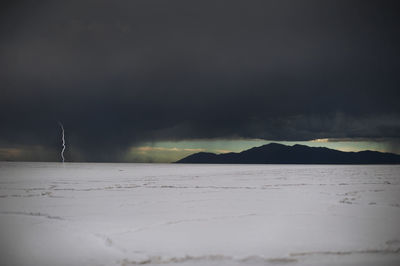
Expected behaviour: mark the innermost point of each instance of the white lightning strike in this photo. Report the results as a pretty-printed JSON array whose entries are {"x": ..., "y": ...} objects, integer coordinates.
[{"x": 63, "y": 141}]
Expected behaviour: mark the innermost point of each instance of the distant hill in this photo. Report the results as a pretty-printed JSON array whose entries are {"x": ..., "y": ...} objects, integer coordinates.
[{"x": 274, "y": 153}]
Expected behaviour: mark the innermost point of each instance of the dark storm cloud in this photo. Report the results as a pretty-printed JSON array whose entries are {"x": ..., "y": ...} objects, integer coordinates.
[{"x": 119, "y": 73}]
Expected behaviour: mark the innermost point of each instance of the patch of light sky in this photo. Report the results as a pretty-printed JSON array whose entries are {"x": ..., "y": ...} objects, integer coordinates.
[{"x": 170, "y": 151}]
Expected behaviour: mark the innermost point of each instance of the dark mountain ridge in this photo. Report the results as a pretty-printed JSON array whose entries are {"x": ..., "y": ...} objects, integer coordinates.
[{"x": 275, "y": 153}]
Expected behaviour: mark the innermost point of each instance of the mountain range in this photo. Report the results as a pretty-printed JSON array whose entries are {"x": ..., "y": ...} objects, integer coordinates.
[{"x": 275, "y": 153}]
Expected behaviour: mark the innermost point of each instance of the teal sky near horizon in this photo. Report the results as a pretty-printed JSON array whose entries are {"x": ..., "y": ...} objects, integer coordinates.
[{"x": 170, "y": 151}]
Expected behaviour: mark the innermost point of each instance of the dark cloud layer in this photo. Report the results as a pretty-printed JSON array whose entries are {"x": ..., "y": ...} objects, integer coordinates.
[{"x": 118, "y": 73}]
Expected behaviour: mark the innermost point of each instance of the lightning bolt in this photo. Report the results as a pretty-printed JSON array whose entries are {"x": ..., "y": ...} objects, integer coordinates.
[{"x": 63, "y": 141}]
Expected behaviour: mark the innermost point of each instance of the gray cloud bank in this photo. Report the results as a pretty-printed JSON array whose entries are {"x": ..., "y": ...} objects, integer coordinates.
[{"x": 118, "y": 73}]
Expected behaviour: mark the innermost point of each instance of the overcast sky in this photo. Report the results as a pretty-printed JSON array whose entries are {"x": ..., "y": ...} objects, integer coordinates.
[{"x": 121, "y": 74}]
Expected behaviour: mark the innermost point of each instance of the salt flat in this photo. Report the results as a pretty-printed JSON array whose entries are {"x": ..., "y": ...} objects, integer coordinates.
[{"x": 128, "y": 214}]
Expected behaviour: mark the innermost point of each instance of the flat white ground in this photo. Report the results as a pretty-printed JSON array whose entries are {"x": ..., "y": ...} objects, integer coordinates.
[{"x": 128, "y": 214}]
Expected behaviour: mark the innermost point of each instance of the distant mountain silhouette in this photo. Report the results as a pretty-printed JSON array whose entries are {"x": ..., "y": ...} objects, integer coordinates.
[{"x": 274, "y": 153}]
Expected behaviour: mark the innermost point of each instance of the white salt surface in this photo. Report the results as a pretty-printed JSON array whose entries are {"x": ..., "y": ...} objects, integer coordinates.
[{"x": 168, "y": 214}]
